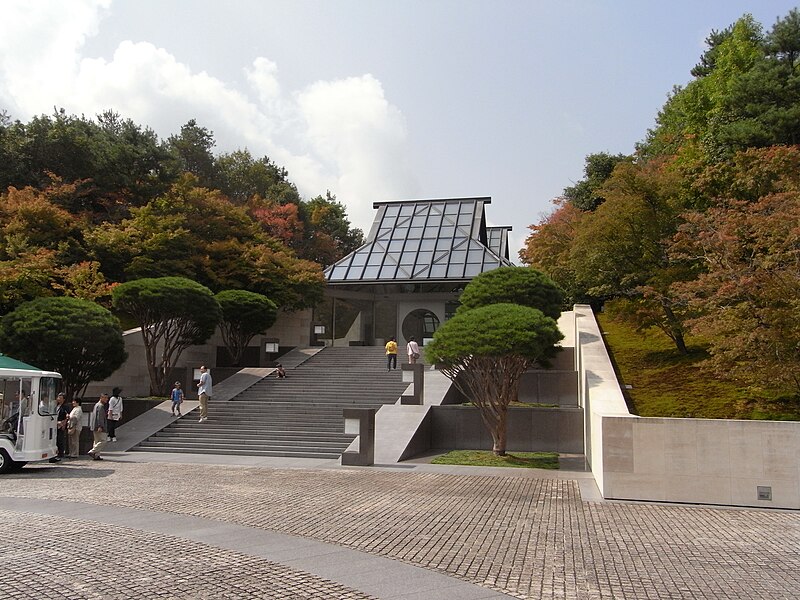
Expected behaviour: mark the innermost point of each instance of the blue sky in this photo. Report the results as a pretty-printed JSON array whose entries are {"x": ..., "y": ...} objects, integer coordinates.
[{"x": 376, "y": 100}]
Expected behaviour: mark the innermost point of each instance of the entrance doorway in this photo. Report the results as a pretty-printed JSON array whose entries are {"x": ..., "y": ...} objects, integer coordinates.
[{"x": 420, "y": 323}]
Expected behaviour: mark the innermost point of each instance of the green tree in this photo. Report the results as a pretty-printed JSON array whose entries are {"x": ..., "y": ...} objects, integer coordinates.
[
  {"x": 484, "y": 352},
  {"x": 117, "y": 162},
  {"x": 586, "y": 194},
  {"x": 514, "y": 285},
  {"x": 77, "y": 338},
  {"x": 244, "y": 315},
  {"x": 173, "y": 313},
  {"x": 241, "y": 177},
  {"x": 329, "y": 235},
  {"x": 621, "y": 251},
  {"x": 193, "y": 149}
]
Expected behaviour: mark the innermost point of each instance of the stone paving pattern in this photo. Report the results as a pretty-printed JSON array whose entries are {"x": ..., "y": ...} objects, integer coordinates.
[
  {"x": 527, "y": 537},
  {"x": 134, "y": 564}
]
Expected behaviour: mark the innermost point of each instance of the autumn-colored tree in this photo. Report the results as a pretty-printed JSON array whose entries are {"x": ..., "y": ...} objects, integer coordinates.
[
  {"x": 749, "y": 295},
  {"x": 83, "y": 280},
  {"x": 329, "y": 235},
  {"x": 548, "y": 248},
  {"x": 280, "y": 221},
  {"x": 199, "y": 234},
  {"x": 25, "y": 276}
]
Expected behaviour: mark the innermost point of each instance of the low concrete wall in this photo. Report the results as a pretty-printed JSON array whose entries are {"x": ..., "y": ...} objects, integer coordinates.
[
  {"x": 710, "y": 461},
  {"x": 549, "y": 387},
  {"x": 529, "y": 429}
]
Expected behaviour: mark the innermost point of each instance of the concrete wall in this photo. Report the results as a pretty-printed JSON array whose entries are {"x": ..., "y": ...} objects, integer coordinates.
[
  {"x": 291, "y": 329},
  {"x": 529, "y": 429},
  {"x": 678, "y": 460},
  {"x": 549, "y": 387}
]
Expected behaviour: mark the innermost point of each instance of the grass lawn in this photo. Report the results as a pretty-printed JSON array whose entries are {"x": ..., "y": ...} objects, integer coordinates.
[
  {"x": 486, "y": 458},
  {"x": 667, "y": 384}
]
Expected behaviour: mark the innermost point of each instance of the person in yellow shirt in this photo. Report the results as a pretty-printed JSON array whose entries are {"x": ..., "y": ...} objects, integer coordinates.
[{"x": 391, "y": 354}]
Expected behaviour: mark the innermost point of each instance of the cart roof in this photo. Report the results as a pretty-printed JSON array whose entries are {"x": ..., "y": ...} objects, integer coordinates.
[{"x": 12, "y": 364}]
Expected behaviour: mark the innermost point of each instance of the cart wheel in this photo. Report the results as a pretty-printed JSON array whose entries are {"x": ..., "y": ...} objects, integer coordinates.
[{"x": 6, "y": 463}]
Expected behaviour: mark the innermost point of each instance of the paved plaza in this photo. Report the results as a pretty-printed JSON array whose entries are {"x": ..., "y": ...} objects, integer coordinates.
[{"x": 136, "y": 528}]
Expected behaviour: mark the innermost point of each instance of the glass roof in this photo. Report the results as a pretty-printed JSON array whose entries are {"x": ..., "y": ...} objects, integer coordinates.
[
  {"x": 429, "y": 240},
  {"x": 497, "y": 240}
]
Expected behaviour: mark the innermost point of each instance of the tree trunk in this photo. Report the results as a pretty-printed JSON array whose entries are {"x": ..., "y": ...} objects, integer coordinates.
[
  {"x": 499, "y": 433},
  {"x": 675, "y": 328}
]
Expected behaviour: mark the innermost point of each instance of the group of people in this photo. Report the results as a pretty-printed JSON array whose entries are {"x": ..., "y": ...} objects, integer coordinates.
[
  {"x": 103, "y": 421},
  {"x": 412, "y": 350}
]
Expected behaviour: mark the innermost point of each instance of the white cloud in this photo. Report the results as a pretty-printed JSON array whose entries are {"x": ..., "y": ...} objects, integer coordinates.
[
  {"x": 343, "y": 136},
  {"x": 361, "y": 136}
]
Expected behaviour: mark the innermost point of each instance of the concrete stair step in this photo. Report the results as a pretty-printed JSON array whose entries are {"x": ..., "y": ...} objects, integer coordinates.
[
  {"x": 245, "y": 447},
  {"x": 228, "y": 452},
  {"x": 272, "y": 436}
]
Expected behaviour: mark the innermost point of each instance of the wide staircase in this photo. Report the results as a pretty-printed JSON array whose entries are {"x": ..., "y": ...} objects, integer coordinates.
[{"x": 299, "y": 416}]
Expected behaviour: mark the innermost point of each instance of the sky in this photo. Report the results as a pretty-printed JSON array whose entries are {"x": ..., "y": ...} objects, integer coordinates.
[{"x": 375, "y": 100}]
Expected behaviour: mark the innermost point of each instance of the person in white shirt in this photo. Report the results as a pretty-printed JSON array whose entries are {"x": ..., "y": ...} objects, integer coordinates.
[
  {"x": 114, "y": 413},
  {"x": 204, "y": 392},
  {"x": 412, "y": 348}
]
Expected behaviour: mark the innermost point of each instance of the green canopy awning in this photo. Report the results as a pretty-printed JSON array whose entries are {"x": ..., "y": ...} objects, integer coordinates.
[{"x": 6, "y": 362}]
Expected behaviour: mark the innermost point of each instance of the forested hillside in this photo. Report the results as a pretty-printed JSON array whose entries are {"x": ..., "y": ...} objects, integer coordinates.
[
  {"x": 697, "y": 233},
  {"x": 89, "y": 203}
]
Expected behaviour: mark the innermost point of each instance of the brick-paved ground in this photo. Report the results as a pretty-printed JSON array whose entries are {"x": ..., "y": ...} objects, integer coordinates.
[
  {"x": 531, "y": 538},
  {"x": 133, "y": 564}
]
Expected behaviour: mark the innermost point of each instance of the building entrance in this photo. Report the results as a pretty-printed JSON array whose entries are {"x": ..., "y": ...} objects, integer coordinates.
[{"x": 421, "y": 324}]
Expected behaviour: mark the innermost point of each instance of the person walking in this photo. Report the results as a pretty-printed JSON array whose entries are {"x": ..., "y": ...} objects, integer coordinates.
[
  {"x": 177, "y": 397},
  {"x": 98, "y": 423},
  {"x": 391, "y": 354},
  {"x": 114, "y": 413},
  {"x": 74, "y": 426},
  {"x": 204, "y": 392},
  {"x": 412, "y": 348}
]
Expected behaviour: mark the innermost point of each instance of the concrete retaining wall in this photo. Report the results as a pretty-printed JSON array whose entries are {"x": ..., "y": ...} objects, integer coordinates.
[
  {"x": 529, "y": 429},
  {"x": 678, "y": 460}
]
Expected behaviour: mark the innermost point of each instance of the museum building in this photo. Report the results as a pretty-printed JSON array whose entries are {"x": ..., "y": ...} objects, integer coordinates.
[{"x": 406, "y": 279}]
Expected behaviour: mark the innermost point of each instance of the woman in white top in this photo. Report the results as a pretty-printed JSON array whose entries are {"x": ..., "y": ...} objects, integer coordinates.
[
  {"x": 412, "y": 348},
  {"x": 114, "y": 413}
]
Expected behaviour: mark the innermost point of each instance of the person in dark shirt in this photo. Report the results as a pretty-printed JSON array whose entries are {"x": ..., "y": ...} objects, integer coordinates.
[{"x": 62, "y": 412}]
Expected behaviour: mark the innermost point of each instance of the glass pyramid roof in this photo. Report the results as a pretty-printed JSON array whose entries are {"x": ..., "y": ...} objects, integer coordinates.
[
  {"x": 497, "y": 240},
  {"x": 424, "y": 240}
]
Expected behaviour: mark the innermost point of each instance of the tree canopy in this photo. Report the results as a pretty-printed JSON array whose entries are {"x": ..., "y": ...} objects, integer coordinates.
[
  {"x": 109, "y": 194},
  {"x": 75, "y": 337},
  {"x": 485, "y": 350},
  {"x": 173, "y": 313},
  {"x": 244, "y": 315},
  {"x": 514, "y": 285},
  {"x": 696, "y": 231}
]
